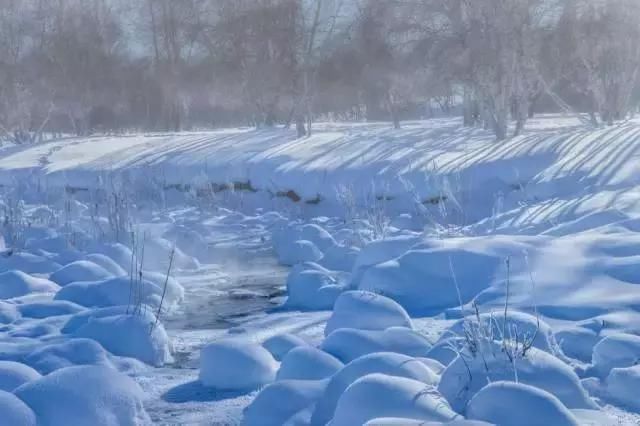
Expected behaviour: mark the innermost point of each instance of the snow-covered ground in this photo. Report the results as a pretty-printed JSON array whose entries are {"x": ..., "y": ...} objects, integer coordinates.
[{"x": 363, "y": 275}]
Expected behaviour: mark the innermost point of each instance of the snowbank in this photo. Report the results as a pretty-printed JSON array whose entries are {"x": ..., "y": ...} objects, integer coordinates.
[
  {"x": 71, "y": 353},
  {"x": 14, "y": 374},
  {"x": 18, "y": 283},
  {"x": 28, "y": 263},
  {"x": 232, "y": 364},
  {"x": 8, "y": 312},
  {"x": 15, "y": 412},
  {"x": 508, "y": 403},
  {"x": 86, "y": 395},
  {"x": 81, "y": 270},
  {"x": 578, "y": 342},
  {"x": 382, "y": 362},
  {"x": 311, "y": 287},
  {"x": 280, "y": 344},
  {"x": 49, "y": 309},
  {"x": 106, "y": 263},
  {"x": 364, "y": 310},
  {"x": 379, "y": 395},
  {"x": 307, "y": 363},
  {"x": 298, "y": 251},
  {"x": 339, "y": 258},
  {"x": 623, "y": 385},
  {"x": 616, "y": 351}
]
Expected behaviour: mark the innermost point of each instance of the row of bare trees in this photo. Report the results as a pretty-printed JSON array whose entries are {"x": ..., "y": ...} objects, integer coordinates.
[{"x": 103, "y": 66}]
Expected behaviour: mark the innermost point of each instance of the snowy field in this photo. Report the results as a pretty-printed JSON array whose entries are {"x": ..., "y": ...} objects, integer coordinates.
[{"x": 365, "y": 275}]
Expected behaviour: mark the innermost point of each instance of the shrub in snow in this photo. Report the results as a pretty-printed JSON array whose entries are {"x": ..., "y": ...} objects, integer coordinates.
[
  {"x": 81, "y": 270},
  {"x": 382, "y": 362},
  {"x": 134, "y": 335},
  {"x": 14, "y": 374},
  {"x": 616, "y": 351},
  {"x": 117, "y": 292},
  {"x": 489, "y": 362},
  {"x": 49, "y": 309},
  {"x": 85, "y": 395},
  {"x": 29, "y": 263},
  {"x": 298, "y": 252},
  {"x": 339, "y": 258},
  {"x": 67, "y": 354},
  {"x": 421, "y": 281},
  {"x": 578, "y": 342},
  {"x": 279, "y": 401},
  {"x": 509, "y": 403},
  {"x": 311, "y": 287},
  {"x": 347, "y": 344},
  {"x": 623, "y": 385},
  {"x": 232, "y": 364},
  {"x": 17, "y": 283},
  {"x": 379, "y": 395},
  {"x": 8, "y": 312},
  {"x": 15, "y": 412},
  {"x": 366, "y": 311},
  {"x": 280, "y": 344},
  {"x": 307, "y": 363},
  {"x": 106, "y": 263}
]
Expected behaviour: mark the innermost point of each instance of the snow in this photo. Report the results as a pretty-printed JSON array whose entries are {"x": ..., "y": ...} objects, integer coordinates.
[
  {"x": 307, "y": 363},
  {"x": 378, "y": 395},
  {"x": 49, "y": 309},
  {"x": 15, "y": 412},
  {"x": 280, "y": 344},
  {"x": 366, "y": 311},
  {"x": 387, "y": 363},
  {"x": 236, "y": 365},
  {"x": 29, "y": 263},
  {"x": 616, "y": 351},
  {"x": 106, "y": 263},
  {"x": 299, "y": 251},
  {"x": 86, "y": 395},
  {"x": 17, "y": 283},
  {"x": 508, "y": 403},
  {"x": 312, "y": 287},
  {"x": 14, "y": 374},
  {"x": 55, "y": 356},
  {"x": 8, "y": 312},
  {"x": 81, "y": 270},
  {"x": 623, "y": 385}
]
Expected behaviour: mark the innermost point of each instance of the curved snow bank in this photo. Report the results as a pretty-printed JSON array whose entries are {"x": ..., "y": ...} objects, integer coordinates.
[
  {"x": 280, "y": 401},
  {"x": 347, "y": 344},
  {"x": 364, "y": 310},
  {"x": 15, "y": 412},
  {"x": 382, "y": 362},
  {"x": 315, "y": 234},
  {"x": 422, "y": 281},
  {"x": 464, "y": 377},
  {"x": 280, "y": 345},
  {"x": 381, "y": 251},
  {"x": 311, "y": 287},
  {"x": 49, "y": 309},
  {"x": 117, "y": 252},
  {"x": 67, "y": 354},
  {"x": 623, "y": 385},
  {"x": 232, "y": 364},
  {"x": 17, "y": 283},
  {"x": 14, "y": 374},
  {"x": 307, "y": 363},
  {"x": 80, "y": 319},
  {"x": 339, "y": 258},
  {"x": 135, "y": 336},
  {"x": 578, "y": 342},
  {"x": 8, "y": 312},
  {"x": 86, "y": 395},
  {"x": 29, "y": 263},
  {"x": 81, "y": 270},
  {"x": 508, "y": 403},
  {"x": 379, "y": 395},
  {"x": 157, "y": 252},
  {"x": 616, "y": 351},
  {"x": 299, "y": 251},
  {"x": 106, "y": 263},
  {"x": 118, "y": 292}
]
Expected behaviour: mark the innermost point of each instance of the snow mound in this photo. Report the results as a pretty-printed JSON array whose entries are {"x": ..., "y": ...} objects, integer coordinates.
[
  {"x": 307, "y": 363},
  {"x": 235, "y": 365},
  {"x": 67, "y": 354},
  {"x": 623, "y": 385},
  {"x": 397, "y": 421},
  {"x": 33, "y": 330},
  {"x": 340, "y": 258},
  {"x": 382, "y": 362},
  {"x": 117, "y": 252},
  {"x": 157, "y": 252},
  {"x": 299, "y": 251},
  {"x": 616, "y": 351},
  {"x": 537, "y": 368},
  {"x": 117, "y": 292},
  {"x": 81, "y": 270},
  {"x": 14, "y": 374},
  {"x": 134, "y": 335},
  {"x": 17, "y": 283},
  {"x": 347, "y": 344},
  {"x": 366, "y": 311},
  {"x": 280, "y": 401},
  {"x": 379, "y": 395},
  {"x": 106, "y": 263},
  {"x": 49, "y": 309},
  {"x": 85, "y": 395},
  {"x": 420, "y": 283},
  {"x": 311, "y": 287},
  {"x": 381, "y": 251},
  {"x": 279, "y": 345},
  {"x": 313, "y": 233},
  {"x": 80, "y": 319},
  {"x": 29, "y": 263},
  {"x": 8, "y": 312},
  {"x": 509, "y": 403},
  {"x": 578, "y": 342},
  {"x": 14, "y": 412}
]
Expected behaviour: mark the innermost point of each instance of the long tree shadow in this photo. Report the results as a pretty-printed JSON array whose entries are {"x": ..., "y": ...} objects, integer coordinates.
[{"x": 195, "y": 391}]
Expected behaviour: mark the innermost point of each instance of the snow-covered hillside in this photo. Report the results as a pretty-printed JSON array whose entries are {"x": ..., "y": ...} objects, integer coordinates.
[{"x": 364, "y": 275}]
